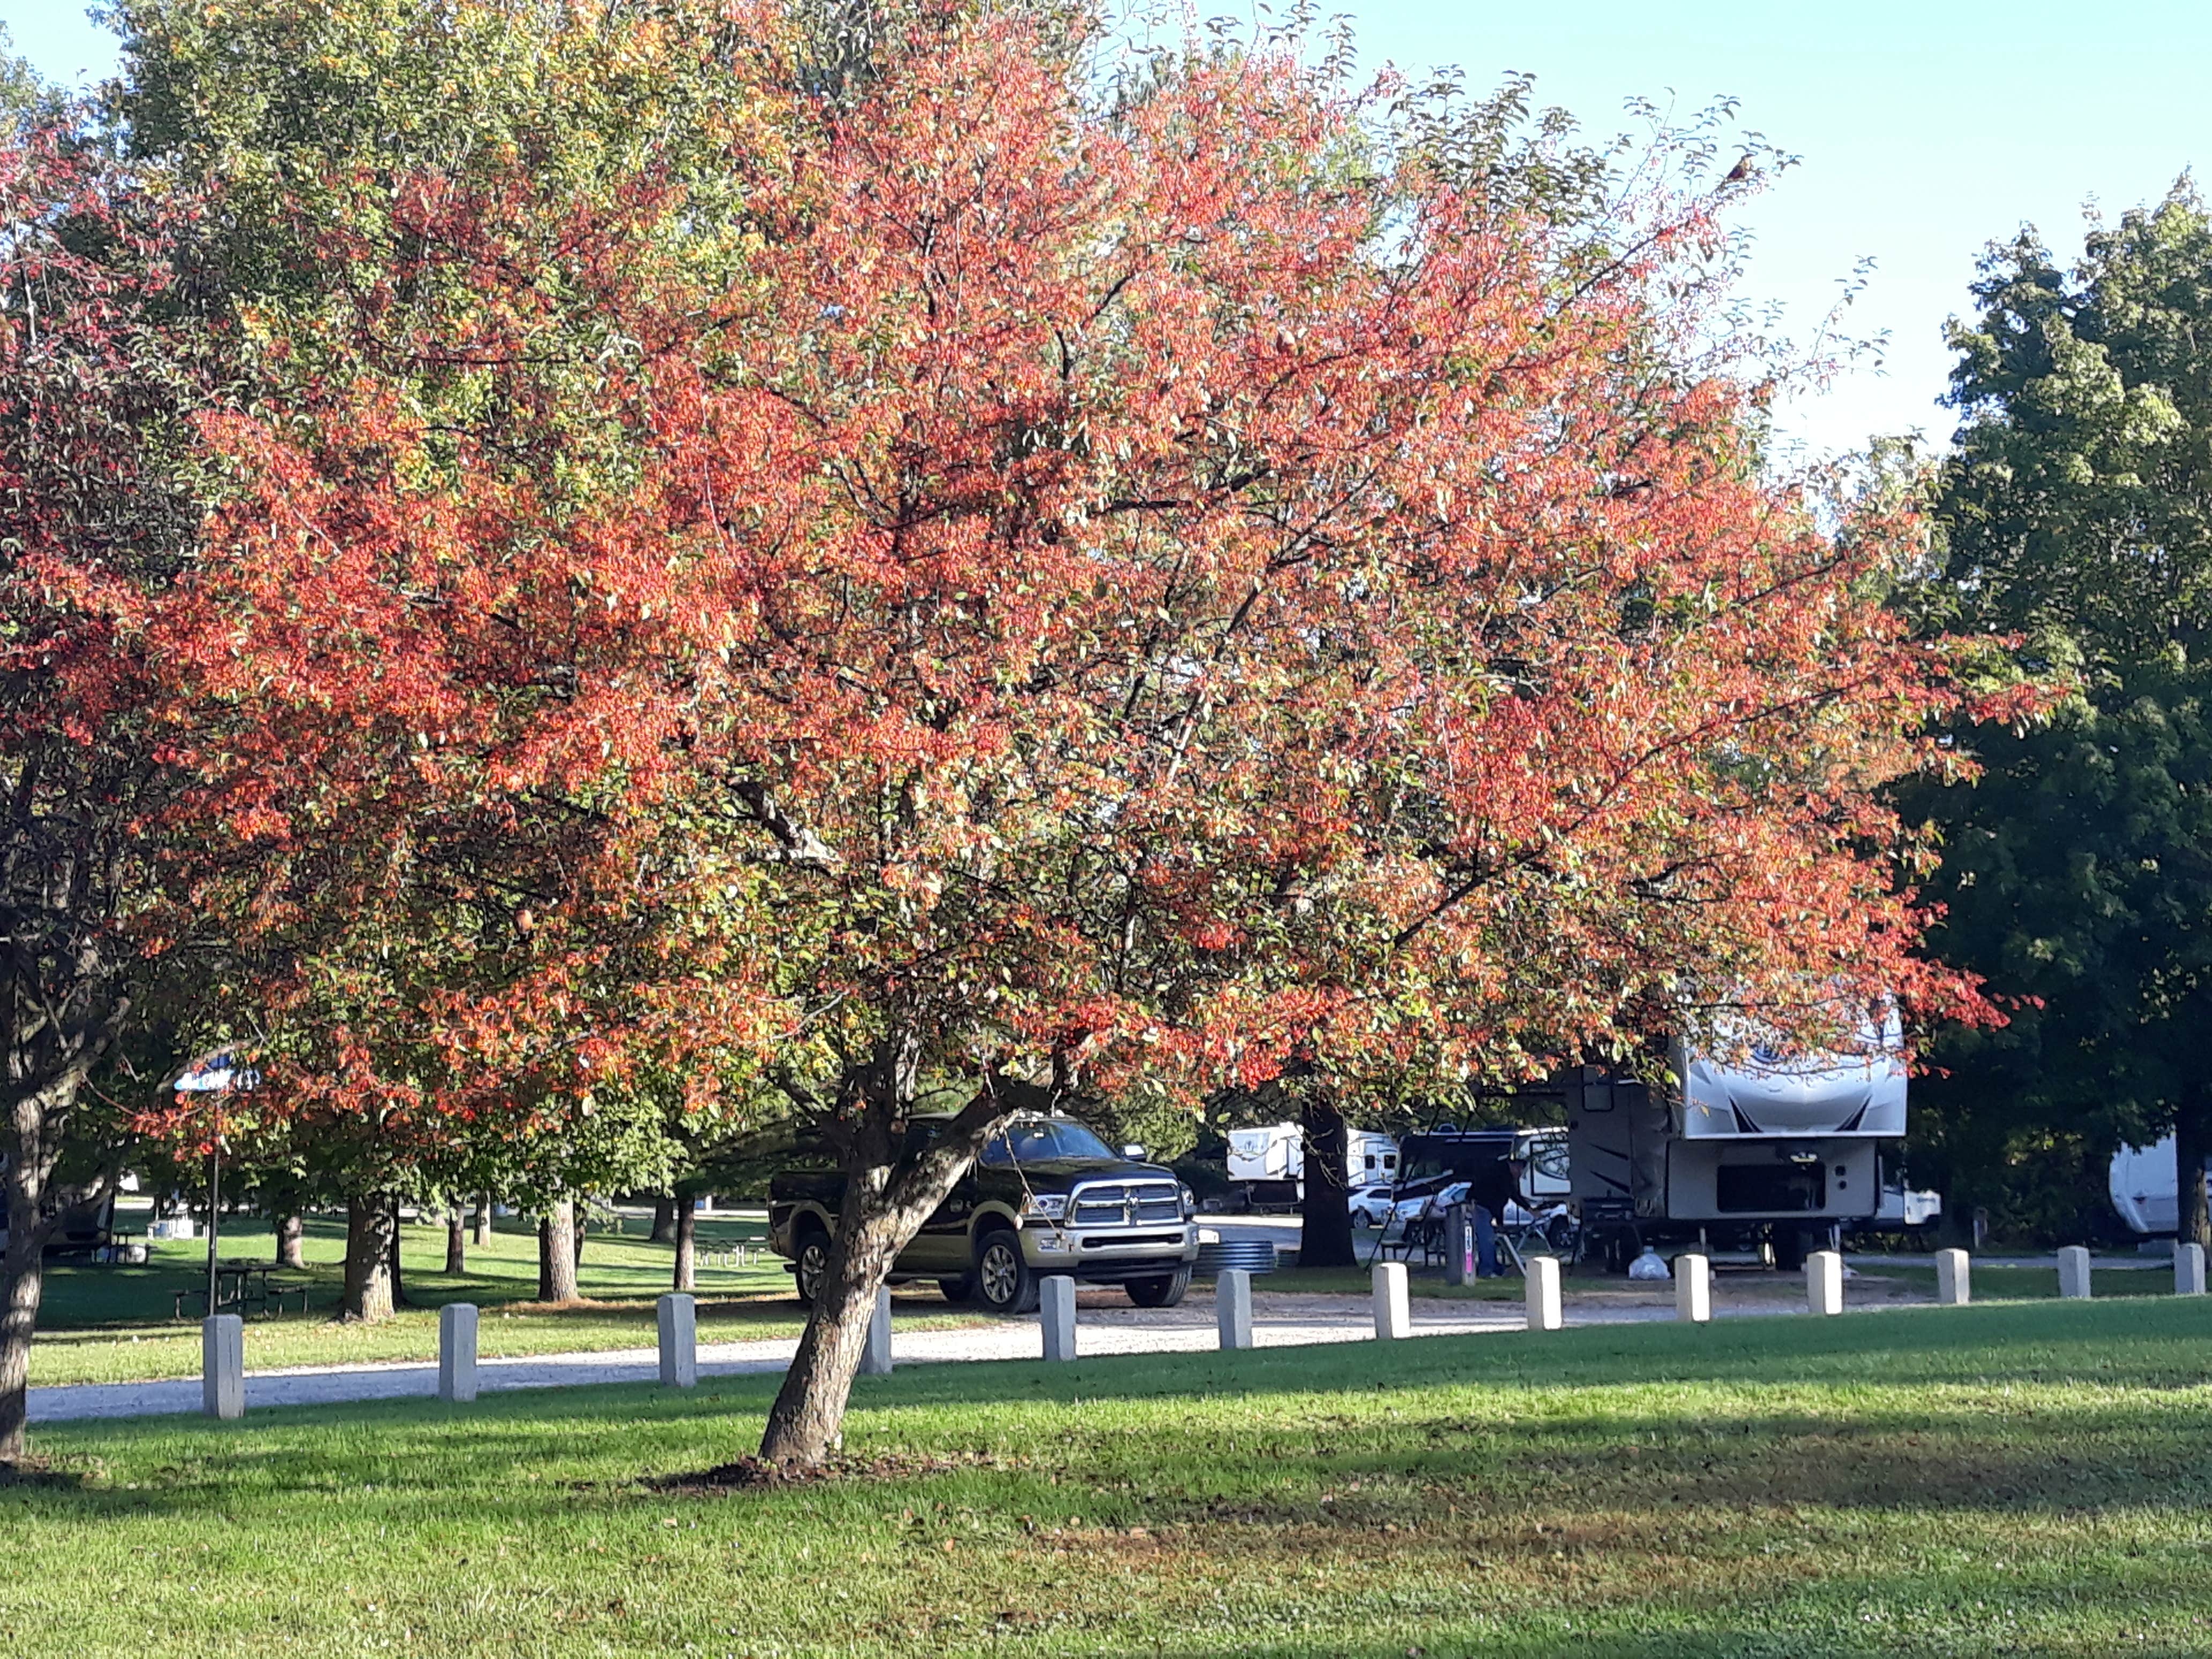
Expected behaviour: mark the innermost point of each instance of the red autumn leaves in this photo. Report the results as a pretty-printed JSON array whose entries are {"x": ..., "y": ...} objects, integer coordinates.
[{"x": 1147, "y": 588}]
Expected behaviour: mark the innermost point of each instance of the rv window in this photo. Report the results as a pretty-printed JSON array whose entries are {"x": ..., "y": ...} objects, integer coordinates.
[
  {"x": 1390, "y": 1160},
  {"x": 1549, "y": 1159},
  {"x": 1370, "y": 1160}
]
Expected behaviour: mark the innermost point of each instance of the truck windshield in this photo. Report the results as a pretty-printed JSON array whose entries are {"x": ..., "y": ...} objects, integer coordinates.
[{"x": 1038, "y": 1142}]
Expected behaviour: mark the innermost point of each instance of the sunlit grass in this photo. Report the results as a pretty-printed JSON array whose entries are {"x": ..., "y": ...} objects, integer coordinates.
[
  {"x": 2029, "y": 1479},
  {"x": 104, "y": 1323}
]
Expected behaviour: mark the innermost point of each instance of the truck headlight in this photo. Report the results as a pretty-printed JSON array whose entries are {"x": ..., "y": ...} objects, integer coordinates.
[{"x": 1049, "y": 1206}]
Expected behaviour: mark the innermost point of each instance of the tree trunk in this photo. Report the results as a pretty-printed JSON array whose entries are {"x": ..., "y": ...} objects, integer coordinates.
[
  {"x": 371, "y": 1246},
  {"x": 887, "y": 1197},
  {"x": 687, "y": 1247},
  {"x": 399, "y": 1281},
  {"x": 456, "y": 1240},
  {"x": 291, "y": 1240},
  {"x": 806, "y": 1423},
  {"x": 483, "y": 1219},
  {"x": 663, "y": 1218},
  {"x": 2192, "y": 1140},
  {"x": 556, "y": 1253},
  {"x": 22, "y": 1280},
  {"x": 583, "y": 1226},
  {"x": 1325, "y": 1236}
]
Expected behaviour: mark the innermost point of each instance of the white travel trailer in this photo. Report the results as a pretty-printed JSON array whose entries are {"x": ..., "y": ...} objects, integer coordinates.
[
  {"x": 1770, "y": 1149},
  {"x": 1267, "y": 1165},
  {"x": 2143, "y": 1189}
]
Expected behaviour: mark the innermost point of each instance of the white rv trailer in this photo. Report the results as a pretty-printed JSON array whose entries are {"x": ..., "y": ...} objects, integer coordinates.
[
  {"x": 1267, "y": 1165},
  {"x": 1772, "y": 1148},
  {"x": 2143, "y": 1189}
]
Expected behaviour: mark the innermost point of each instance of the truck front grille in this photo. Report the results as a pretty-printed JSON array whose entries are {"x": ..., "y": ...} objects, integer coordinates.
[{"x": 1125, "y": 1204}]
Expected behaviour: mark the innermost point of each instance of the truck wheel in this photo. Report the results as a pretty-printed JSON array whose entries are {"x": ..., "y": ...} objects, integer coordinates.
[
  {"x": 962, "y": 1288},
  {"x": 811, "y": 1262},
  {"x": 1005, "y": 1283},
  {"x": 1160, "y": 1293}
]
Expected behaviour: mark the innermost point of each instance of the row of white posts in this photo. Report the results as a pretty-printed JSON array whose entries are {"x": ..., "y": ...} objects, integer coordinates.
[{"x": 222, "y": 1337}]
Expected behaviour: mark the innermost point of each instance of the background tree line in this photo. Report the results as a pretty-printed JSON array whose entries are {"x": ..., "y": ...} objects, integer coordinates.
[{"x": 2076, "y": 520}]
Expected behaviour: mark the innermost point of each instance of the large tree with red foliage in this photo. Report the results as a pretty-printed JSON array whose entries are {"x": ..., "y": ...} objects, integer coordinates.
[{"x": 1031, "y": 592}]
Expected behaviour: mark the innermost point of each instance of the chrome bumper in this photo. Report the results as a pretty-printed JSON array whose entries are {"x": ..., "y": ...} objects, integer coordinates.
[{"x": 1051, "y": 1249}]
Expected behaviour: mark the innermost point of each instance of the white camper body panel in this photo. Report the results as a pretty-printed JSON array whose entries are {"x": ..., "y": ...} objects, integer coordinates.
[
  {"x": 1763, "y": 1092},
  {"x": 1276, "y": 1153},
  {"x": 2140, "y": 1182}
]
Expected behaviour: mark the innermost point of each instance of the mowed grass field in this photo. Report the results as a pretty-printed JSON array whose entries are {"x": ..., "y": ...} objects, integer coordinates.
[
  {"x": 103, "y": 1323},
  {"x": 2022, "y": 1478}
]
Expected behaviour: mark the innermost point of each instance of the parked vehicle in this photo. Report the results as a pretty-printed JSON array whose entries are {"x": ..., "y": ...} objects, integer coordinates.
[
  {"x": 1267, "y": 1165},
  {"x": 1903, "y": 1211},
  {"x": 1047, "y": 1196},
  {"x": 1778, "y": 1151},
  {"x": 2143, "y": 1188},
  {"x": 1371, "y": 1206}
]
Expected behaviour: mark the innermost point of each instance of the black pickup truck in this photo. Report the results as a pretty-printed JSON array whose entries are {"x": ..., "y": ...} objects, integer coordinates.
[{"x": 1047, "y": 1196}]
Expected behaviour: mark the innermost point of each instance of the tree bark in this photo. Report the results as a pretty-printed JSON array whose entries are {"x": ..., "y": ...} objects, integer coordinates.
[
  {"x": 806, "y": 1423},
  {"x": 483, "y": 1219},
  {"x": 887, "y": 1198},
  {"x": 398, "y": 1280},
  {"x": 663, "y": 1218},
  {"x": 556, "y": 1253},
  {"x": 687, "y": 1247},
  {"x": 1324, "y": 1212},
  {"x": 456, "y": 1240},
  {"x": 22, "y": 1282},
  {"x": 2192, "y": 1140},
  {"x": 291, "y": 1240},
  {"x": 370, "y": 1246}
]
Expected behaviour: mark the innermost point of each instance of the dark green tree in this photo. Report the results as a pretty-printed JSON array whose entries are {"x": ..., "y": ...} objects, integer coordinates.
[{"x": 2076, "y": 516}]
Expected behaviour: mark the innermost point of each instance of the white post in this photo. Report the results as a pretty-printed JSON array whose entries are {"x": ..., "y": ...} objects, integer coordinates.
[
  {"x": 1824, "y": 1282},
  {"x": 1953, "y": 1279},
  {"x": 1232, "y": 1307},
  {"x": 679, "y": 1341},
  {"x": 876, "y": 1357},
  {"x": 1543, "y": 1293},
  {"x": 456, "y": 1352},
  {"x": 1394, "y": 1317},
  {"x": 1693, "y": 1288},
  {"x": 223, "y": 1366},
  {"x": 2189, "y": 1269},
  {"x": 1056, "y": 1310},
  {"x": 2073, "y": 1272}
]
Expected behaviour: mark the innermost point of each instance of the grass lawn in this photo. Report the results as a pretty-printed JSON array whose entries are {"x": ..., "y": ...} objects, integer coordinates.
[
  {"x": 114, "y": 1324},
  {"x": 1992, "y": 1284},
  {"x": 2021, "y": 1479}
]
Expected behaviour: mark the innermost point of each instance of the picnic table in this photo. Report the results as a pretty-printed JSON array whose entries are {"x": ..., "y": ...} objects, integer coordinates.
[{"x": 245, "y": 1287}]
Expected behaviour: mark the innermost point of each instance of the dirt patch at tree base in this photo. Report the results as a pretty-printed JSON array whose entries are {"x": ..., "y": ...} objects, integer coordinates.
[{"x": 753, "y": 1473}]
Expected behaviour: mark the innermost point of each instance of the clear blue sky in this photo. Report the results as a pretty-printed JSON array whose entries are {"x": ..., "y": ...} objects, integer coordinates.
[{"x": 1926, "y": 130}]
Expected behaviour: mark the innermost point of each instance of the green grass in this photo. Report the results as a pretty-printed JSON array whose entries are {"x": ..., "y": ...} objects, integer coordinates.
[
  {"x": 2023, "y": 1478},
  {"x": 114, "y": 1324},
  {"x": 1990, "y": 1284}
]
